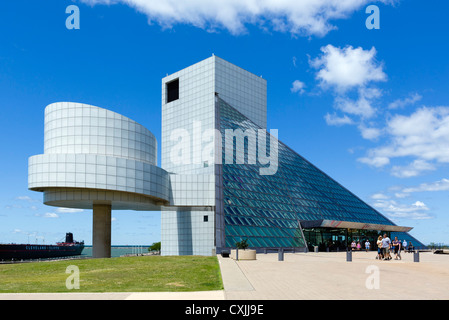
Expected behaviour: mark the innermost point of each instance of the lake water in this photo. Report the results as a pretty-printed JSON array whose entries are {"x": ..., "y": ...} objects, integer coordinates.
[{"x": 117, "y": 251}]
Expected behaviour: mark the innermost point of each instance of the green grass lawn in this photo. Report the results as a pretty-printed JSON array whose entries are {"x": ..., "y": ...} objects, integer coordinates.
[{"x": 124, "y": 274}]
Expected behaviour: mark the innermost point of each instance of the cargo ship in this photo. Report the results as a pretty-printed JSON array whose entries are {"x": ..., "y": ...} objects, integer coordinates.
[{"x": 42, "y": 251}]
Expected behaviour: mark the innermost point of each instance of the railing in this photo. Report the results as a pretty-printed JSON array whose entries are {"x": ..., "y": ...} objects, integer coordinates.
[{"x": 13, "y": 261}]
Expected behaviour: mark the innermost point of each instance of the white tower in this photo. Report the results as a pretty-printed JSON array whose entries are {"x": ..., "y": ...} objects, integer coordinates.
[{"x": 188, "y": 106}]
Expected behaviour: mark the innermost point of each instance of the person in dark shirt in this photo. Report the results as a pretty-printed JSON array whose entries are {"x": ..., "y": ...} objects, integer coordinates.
[{"x": 397, "y": 248}]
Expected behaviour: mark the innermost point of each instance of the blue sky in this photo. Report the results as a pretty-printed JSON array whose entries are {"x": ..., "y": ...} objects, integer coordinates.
[{"x": 368, "y": 107}]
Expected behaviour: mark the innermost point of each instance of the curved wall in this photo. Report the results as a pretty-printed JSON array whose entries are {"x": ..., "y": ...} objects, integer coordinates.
[
  {"x": 96, "y": 172},
  {"x": 91, "y": 149},
  {"x": 83, "y": 129}
]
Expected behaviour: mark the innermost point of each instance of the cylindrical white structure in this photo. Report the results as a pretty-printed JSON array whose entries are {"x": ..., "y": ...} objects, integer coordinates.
[
  {"x": 75, "y": 128},
  {"x": 95, "y": 155},
  {"x": 96, "y": 159}
]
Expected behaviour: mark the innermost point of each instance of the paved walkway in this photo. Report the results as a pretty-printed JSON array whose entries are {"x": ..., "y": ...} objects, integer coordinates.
[
  {"x": 306, "y": 276},
  {"x": 329, "y": 276},
  {"x": 199, "y": 295}
]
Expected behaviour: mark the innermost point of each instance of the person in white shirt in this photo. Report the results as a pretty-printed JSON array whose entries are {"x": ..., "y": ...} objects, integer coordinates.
[
  {"x": 386, "y": 243},
  {"x": 367, "y": 245}
]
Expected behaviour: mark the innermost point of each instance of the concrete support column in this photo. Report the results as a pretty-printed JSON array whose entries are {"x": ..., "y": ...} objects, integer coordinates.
[{"x": 101, "y": 231}]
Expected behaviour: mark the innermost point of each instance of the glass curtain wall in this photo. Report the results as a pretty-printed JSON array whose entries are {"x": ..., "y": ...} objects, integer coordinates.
[{"x": 267, "y": 209}]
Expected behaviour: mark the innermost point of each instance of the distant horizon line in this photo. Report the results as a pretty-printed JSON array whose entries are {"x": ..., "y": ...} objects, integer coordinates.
[{"x": 85, "y": 245}]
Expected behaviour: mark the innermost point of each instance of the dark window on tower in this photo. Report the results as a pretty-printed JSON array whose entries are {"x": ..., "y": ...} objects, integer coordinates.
[
  {"x": 172, "y": 89},
  {"x": 205, "y": 218}
]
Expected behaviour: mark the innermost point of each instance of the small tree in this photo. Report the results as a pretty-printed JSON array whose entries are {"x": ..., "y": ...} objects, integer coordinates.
[
  {"x": 156, "y": 246},
  {"x": 242, "y": 244}
]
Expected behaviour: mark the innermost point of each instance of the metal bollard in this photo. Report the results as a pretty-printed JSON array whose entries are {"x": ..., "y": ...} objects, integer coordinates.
[
  {"x": 281, "y": 254},
  {"x": 416, "y": 256},
  {"x": 265, "y": 251},
  {"x": 349, "y": 255},
  {"x": 237, "y": 254}
]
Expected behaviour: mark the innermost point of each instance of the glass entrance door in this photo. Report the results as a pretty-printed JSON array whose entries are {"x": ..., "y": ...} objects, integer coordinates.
[
  {"x": 341, "y": 239},
  {"x": 326, "y": 239}
]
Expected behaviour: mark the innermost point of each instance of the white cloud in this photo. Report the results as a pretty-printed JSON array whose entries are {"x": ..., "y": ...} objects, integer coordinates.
[
  {"x": 299, "y": 17},
  {"x": 25, "y": 198},
  {"x": 294, "y": 61},
  {"x": 413, "y": 169},
  {"x": 298, "y": 86},
  {"x": 377, "y": 162},
  {"x": 334, "y": 120},
  {"x": 347, "y": 68},
  {"x": 20, "y": 203},
  {"x": 350, "y": 73},
  {"x": 422, "y": 136},
  {"x": 379, "y": 196},
  {"x": 419, "y": 204},
  {"x": 369, "y": 133},
  {"x": 420, "y": 123},
  {"x": 441, "y": 185},
  {"x": 50, "y": 215},
  {"x": 363, "y": 106},
  {"x": 401, "y": 103},
  {"x": 401, "y": 195},
  {"x": 14, "y": 206},
  {"x": 68, "y": 210},
  {"x": 415, "y": 211},
  {"x": 360, "y": 107}
]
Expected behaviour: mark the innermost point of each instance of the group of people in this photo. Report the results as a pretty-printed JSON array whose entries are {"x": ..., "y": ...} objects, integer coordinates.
[
  {"x": 384, "y": 247},
  {"x": 358, "y": 246}
]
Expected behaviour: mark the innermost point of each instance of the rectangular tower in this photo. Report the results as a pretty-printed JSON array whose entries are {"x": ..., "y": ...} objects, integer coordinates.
[{"x": 189, "y": 117}]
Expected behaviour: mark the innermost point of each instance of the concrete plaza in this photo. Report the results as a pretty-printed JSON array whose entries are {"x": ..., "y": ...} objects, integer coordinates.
[
  {"x": 329, "y": 276},
  {"x": 326, "y": 276}
]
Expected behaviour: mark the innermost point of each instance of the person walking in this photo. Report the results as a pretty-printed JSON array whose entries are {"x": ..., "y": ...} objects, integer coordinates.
[
  {"x": 386, "y": 243},
  {"x": 367, "y": 245},
  {"x": 411, "y": 247},
  {"x": 379, "y": 248},
  {"x": 404, "y": 245},
  {"x": 397, "y": 248}
]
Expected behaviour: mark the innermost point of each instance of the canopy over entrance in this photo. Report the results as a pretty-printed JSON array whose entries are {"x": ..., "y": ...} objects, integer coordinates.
[{"x": 335, "y": 224}]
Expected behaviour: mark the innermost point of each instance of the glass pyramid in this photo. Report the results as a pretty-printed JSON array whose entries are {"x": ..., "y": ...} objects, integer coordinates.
[{"x": 267, "y": 209}]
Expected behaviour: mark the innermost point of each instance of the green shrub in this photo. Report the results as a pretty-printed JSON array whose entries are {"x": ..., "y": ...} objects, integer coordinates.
[{"x": 242, "y": 244}]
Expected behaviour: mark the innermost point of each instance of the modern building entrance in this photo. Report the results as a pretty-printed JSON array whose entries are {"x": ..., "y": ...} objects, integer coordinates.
[
  {"x": 335, "y": 239},
  {"x": 336, "y": 235}
]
